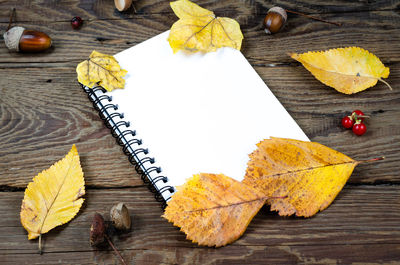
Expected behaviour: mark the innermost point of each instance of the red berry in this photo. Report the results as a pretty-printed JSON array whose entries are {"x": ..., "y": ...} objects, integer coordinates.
[
  {"x": 76, "y": 22},
  {"x": 356, "y": 114},
  {"x": 359, "y": 129},
  {"x": 347, "y": 122}
]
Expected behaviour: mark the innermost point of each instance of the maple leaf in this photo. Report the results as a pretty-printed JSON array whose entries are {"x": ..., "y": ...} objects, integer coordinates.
[
  {"x": 101, "y": 69},
  {"x": 213, "y": 210},
  {"x": 308, "y": 173},
  {"x": 348, "y": 70},
  {"x": 54, "y": 196},
  {"x": 198, "y": 29}
]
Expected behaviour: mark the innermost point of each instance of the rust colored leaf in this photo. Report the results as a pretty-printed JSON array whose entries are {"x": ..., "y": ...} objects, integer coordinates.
[
  {"x": 308, "y": 173},
  {"x": 213, "y": 210}
]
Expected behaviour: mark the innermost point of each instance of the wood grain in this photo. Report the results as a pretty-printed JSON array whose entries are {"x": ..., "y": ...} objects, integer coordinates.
[
  {"x": 377, "y": 32},
  {"x": 36, "y": 129},
  {"x": 43, "y": 112},
  {"x": 44, "y": 11},
  {"x": 269, "y": 236}
]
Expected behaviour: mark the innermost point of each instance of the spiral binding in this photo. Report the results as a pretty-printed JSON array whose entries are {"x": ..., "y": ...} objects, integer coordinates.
[{"x": 131, "y": 146}]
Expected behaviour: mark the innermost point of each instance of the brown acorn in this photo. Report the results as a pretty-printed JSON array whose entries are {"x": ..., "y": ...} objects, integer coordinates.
[
  {"x": 97, "y": 230},
  {"x": 22, "y": 40},
  {"x": 275, "y": 20}
]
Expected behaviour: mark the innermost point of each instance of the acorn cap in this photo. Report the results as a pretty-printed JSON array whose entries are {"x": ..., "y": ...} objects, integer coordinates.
[
  {"x": 120, "y": 217},
  {"x": 12, "y": 37},
  {"x": 280, "y": 11}
]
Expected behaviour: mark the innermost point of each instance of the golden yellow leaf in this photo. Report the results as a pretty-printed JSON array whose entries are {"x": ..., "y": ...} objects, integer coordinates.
[
  {"x": 213, "y": 210},
  {"x": 348, "y": 70},
  {"x": 101, "y": 69},
  {"x": 54, "y": 196},
  {"x": 308, "y": 173},
  {"x": 199, "y": 30}
]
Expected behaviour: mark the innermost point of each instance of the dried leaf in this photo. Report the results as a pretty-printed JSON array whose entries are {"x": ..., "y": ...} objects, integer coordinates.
[
  {"x": 54, "y": 196},
  {"x": 213, "y": 210},
  {"x": 308, "y": 173},
  {"x": 348, "y": 70},
  {"x": 199, "y": 30},
  {"x": 101, "y": 69}
]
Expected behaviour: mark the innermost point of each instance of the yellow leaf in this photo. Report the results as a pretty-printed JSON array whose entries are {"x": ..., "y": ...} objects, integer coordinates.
[
  {"x": 213, "y": 210},
  {"x": 308, "y": 173},
  {"x": 101, "y": 69},
  {"x": 53, "y": 198},
  {"x": 348, "y": 70},
  {"x": 199, "y": 30}
]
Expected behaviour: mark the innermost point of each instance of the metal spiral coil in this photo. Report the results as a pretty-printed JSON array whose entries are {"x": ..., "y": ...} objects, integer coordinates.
[{"x": 131, "y": 146}]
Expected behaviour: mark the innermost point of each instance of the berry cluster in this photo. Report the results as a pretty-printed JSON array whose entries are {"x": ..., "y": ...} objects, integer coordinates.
[{"x": 355, "y": 121}]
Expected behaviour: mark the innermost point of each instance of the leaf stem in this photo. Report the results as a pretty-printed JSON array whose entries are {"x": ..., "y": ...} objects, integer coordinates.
[
  {"x": 40, "y": 244},
  {"x": 372, "y": 160},
  {"x": 315, "y": 18},
  {"x": 386, "y": 83},
  {"x": 115, "y": 249}
]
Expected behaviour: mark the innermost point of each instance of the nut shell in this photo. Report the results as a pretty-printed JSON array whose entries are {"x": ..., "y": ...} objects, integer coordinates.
[
  {"x": 12, "y": 37},
  {"x": 34, "y": 41},
  {"x": 97, "y": 230},
  {"x": 122, "y": 5},
  {"x": 120, "y": 217},
  {"x": 275, "y": 20}
]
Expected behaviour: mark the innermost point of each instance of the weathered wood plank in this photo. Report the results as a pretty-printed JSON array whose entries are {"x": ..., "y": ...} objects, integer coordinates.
[
  {"x": 230, "y": 255},
  {"x": 50, "y": 11},
  {"x": 43, "y": 112},
  {"x": 362, "y": 219},
  {"x": 377, "y": 32}
]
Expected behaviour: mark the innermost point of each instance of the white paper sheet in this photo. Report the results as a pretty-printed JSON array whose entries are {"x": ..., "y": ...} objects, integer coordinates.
[{"x": 198, "y": 112}]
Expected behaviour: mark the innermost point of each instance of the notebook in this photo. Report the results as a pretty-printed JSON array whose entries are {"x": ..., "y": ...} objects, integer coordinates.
[{"x": 183, "y": 114}]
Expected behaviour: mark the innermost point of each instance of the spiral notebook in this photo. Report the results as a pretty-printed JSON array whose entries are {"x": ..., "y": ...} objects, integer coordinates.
[{"x": 183, "y": 114}]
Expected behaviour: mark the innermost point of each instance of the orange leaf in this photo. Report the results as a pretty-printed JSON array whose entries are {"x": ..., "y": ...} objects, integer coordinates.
[
  {"x": 309, "y": 174},
  {"x": 213, "y": 210}
]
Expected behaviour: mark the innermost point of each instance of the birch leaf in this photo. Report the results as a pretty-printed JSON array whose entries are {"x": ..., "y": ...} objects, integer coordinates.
[
  {"x": 348, "y": 70},
  {"x": 198, "y": 29},
  {"x": 101, "y": 69},
  {"x": 308, "y": 173},
  {"x": 213, "y": 210},
  {"x": 54, "y": 196}
]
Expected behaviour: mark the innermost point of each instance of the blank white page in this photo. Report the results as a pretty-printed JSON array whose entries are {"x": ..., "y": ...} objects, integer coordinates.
[{"x": 198, "y": 113}]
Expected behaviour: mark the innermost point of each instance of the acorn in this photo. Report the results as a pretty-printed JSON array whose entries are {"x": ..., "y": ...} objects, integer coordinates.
[
  {"x": 120, "y": 217},
  {"x": 122, "y": 5},
  {"x": 97, "y": 230},
  {"x": 275, "y": 20},
  {"x": 22, "y": 40}
]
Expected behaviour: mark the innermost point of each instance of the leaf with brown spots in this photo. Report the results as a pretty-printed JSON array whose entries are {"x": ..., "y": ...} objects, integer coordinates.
[
  {"x": 54, "y": 196},
  {"x": 308, "y": 173},
  {"x": 348, "y": 70},
  {"x": 213, "y": 210},
  {"x": 101, "y": 69}
]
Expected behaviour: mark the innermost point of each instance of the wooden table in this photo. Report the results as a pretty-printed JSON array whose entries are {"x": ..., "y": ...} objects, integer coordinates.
[{"x": 43, "y": 112}]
